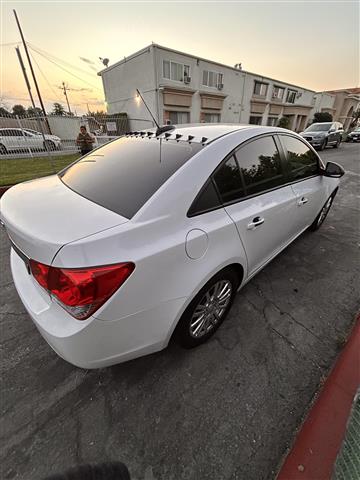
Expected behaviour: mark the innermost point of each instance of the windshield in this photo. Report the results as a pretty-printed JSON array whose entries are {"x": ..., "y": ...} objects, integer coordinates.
[
  {"x": 357, "y": 129},
  {"x": 122, "y": 175},
  {"x": 319, "y": 127}
]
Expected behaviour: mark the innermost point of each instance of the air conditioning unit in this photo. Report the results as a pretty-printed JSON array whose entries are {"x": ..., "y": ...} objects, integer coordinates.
[
  {"x": 220, "y": 86},
  {"x": 187, "y": 79}
]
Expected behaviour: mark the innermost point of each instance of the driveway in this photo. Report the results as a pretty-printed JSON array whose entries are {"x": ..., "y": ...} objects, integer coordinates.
[{"x": 227, "y": 410}]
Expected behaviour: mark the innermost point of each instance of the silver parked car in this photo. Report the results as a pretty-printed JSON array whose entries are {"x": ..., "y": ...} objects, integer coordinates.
[{"x": 322, "y": 135}]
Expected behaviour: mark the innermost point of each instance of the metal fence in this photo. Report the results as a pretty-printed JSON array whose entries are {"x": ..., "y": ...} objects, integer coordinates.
[{"x": 34, "y": 136}]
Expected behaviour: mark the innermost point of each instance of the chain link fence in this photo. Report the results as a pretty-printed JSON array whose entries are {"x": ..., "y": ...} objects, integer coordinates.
[{"x": 34, "y": 136}]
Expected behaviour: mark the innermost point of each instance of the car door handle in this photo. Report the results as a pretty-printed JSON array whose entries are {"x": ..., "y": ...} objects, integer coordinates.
[
  {"x": 256, "y": 222},
  {"x": 302, "y": 201}
]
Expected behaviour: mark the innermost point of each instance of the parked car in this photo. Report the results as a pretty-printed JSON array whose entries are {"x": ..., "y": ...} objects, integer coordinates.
[
  {"x": 322, "y": 135},
  {"x": 354, "y": 136},
  {"x": 15, "y": 139},
  {"x": 149, "y": 237}
]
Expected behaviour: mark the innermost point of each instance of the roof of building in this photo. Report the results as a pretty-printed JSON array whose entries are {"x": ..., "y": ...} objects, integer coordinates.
[
  {"x": 355, "y": 90},
  {"x": 156, "y": 45}
]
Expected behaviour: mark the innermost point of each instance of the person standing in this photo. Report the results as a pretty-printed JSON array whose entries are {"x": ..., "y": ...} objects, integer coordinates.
[{"x": 84, "y": 141}]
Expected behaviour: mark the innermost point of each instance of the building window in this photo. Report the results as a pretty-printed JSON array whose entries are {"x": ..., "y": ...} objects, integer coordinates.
[
  {"x": 175, "y": 71},
  {"x": 272, "y": 121},
  {"x": 212, "y": 79},
  {"x": 255, "y": 119},
  {"x": 278, "y": 93},
  {"x": 291, "y": 96},
  {"x": 212, "y": 117},
  {"x": 260, "y": 89},
  {"x": 178, "y": 117}
]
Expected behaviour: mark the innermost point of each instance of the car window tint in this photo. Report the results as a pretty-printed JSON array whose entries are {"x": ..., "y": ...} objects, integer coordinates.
[
  {"x": 208, "y": 199},
  {"x": 228, "y": 181},
  {"x": 122, "y": 175},
  {"x": 302, "y": 161},
  {"x": 260, "y": 165}
]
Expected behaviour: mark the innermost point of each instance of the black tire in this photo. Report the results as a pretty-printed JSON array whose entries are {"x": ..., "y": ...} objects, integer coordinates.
[
  {"x": 49, "y": 145},
  {"x": 337, "y": 144},
  {"x": 3, "y": 149},
  {"x": 184, "y": 332},
  {"x": 321, "y": 216},
  {"x": 323, "y": 145}
]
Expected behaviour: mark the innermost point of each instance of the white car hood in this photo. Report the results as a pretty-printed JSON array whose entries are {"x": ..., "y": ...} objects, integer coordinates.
[{"x": 40, "y": 216}]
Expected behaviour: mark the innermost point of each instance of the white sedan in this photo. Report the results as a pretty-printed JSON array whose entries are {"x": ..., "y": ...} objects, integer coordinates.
[
  {"x": 150, "y": 236},
  {"x": 15, "y": 139}
]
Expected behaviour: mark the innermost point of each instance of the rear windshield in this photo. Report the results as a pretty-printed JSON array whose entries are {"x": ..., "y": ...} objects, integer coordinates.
[{"x": 122, "y": 175}]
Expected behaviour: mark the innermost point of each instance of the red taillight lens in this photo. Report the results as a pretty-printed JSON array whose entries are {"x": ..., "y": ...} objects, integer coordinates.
[{"x": 81, "y": 291}]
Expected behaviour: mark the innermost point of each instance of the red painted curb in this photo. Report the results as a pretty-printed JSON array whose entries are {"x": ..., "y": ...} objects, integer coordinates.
[{"x": 316, "y": 446}]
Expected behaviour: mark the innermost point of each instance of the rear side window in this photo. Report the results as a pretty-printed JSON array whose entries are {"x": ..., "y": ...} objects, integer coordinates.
[
  {"x": 302, "y": 162},
  {"x": 260, "y": 165},
  {"x": 208, "y": 199},
  {"x": 122, "y": 175},
  {"x": 228, "y": 181}
]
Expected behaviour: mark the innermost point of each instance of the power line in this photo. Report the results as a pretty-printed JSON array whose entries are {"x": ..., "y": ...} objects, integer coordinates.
[
  {"x": 65, "y": 70},
  {"x": 44, "y": 77},
  {"x": 53, "y": 57}
]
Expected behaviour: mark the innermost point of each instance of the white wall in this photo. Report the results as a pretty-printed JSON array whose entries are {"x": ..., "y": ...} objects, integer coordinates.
[
  {"x": 120, "y": 82},
  {"x": 144, "y": 70}
]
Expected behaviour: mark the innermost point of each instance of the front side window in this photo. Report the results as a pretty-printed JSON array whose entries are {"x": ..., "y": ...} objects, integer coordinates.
[
  {"x": 260, "y": 165},
  {"x": 260, "y": 89},
  {"x": 291, "y": 96},
  {"x": 228, "y": 181},
  {"x": 302, "y": 161}
]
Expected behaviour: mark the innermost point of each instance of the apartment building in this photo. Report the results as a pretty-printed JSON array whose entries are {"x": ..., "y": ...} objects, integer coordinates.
[
  {"x": 340, "y": 103},
  {"x": 183, "y": 88}
]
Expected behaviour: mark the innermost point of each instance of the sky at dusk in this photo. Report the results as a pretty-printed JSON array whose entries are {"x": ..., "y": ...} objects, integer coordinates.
[{"x": 314, "y": 44}]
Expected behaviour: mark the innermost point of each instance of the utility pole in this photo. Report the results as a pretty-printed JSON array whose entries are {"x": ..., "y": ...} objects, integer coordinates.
[
  {"x": 30, "y": 64},
  {"x": 67, "y": 100},
  {"x": 25, "y": 76}
]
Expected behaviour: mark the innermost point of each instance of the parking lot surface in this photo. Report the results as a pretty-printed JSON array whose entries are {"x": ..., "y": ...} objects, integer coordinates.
[{"x": 226, "y": 410}]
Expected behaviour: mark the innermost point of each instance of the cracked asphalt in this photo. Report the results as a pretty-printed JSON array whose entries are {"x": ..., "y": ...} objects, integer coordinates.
[{"x": 227, "y": 410}]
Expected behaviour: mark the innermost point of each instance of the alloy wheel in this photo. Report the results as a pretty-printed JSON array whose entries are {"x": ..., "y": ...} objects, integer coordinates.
[{"x": 211, "y": 308}]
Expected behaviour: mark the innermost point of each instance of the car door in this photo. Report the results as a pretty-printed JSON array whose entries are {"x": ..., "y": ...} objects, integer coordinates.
[
  {"x": 304, "y": 167},
  {"x": 251, "y": 184},
  {"x": 333, "y": 135}
]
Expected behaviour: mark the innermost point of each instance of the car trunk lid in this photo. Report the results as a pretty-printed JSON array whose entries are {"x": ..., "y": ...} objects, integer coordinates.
[{"x": 40, "y": 216}]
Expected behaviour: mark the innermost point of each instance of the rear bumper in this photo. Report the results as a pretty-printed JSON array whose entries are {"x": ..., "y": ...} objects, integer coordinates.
[{"x": 94, "y": 343}]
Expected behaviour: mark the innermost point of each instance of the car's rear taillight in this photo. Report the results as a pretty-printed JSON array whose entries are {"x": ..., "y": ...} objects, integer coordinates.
[{"x": 81, "y": 291}]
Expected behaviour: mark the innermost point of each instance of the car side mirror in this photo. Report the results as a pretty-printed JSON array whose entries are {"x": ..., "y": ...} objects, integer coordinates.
[{"x": 333, "y": 170}]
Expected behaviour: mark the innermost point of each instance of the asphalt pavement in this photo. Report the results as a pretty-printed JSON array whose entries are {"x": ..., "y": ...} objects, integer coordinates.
[{"x": 227, "y": 410}]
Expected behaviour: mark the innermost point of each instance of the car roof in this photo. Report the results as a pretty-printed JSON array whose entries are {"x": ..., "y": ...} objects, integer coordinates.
[{"x": 199, "y": 132}]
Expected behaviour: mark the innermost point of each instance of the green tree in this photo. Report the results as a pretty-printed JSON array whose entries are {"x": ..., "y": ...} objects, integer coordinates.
[
  {"x": 58, "y": 109},
  {"x": 34, "y": 111},
  {"x": 18, "y": 110},
  {"x": 284, "y": 122},
  {"x": 320, "y": 117},
  {"x": 4, "y": 112}
]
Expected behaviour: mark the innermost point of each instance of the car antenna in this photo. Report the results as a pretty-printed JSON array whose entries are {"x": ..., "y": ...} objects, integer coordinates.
[{"x": 159, "y": 129}]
